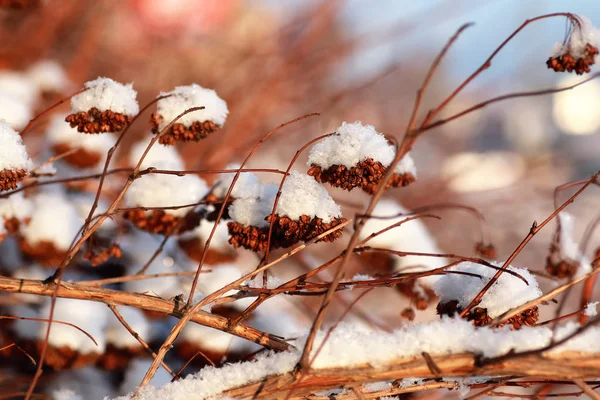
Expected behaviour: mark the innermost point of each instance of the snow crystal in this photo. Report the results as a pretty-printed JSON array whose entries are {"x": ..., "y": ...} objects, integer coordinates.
[
  {"x": 412, "y": 236},
  {"x": 54, "y": 219},
  {"x": 508, "y": 292},
  {"x": 13, "y": 154},
  {"x": 158, "y": 155},
  {"x": 349, "y": 346},
  {"x": 48, "y": 76},
  {"x": 16, "y": 206},
  {"x": 582, "y": 34},
  {"x": 247, "y": 185},
  {"x": 185, "y": 97},
  {"x": 300, "y": 195},
  {"x": 18, "y": 86},
  {"x": 164, "y": 190},
  {"x": 119, "y": 336},
  {"x": 60, "y": 132},
  {"x": 135, "y": 373},
  {"x": 90, "y": 316},
  {"x": 14, "y": 111},
  {"x": 106, "y": 94},
  {"x": 591, "y": 309},
  {"x": 354, "y": 143}
]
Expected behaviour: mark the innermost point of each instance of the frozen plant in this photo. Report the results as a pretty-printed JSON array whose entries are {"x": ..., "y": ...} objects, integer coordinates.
[
  {"x": 579, "y": 50},
  {"x": 14, "y": 160}
]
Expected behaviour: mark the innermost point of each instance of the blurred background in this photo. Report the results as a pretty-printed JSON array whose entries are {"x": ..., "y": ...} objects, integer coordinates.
[{"x": 275, "y": 60}]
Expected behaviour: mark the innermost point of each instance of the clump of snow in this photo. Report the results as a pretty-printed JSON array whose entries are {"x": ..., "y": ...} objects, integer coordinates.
[
  {"x": 16, "y": 206},
  {"x": 119, "y": 336},
  {"x": 246, "y": 186},
  {"x": 60, "y": 132},
  {"x": 350, "y": 346},
  {"x": 354, "y": 143},
  {"x": 89, "y": 383},
  {"x": 508, "y": 292},
  {"x": 15, "y": 112},
  {"x": 54, "y": 219},
  {"x": 186, "y": 97},
  {"x": 569, "y": 247},
  {"x": 220, "y": 239},
  {"x": 583, "y": 32},
  {"x": 412, "y": 236},
  {"x": 135, "y": 373},
  {"x": 106, "y": 94},
  {"x": 19, "y": 86},
  {"x": 362, "y": 277},
  {"x": 165, "y": 190},
  {"x": 376, "y": 387},
  {"x": 90, "y": 316},
  {"x": 46, "y": 169},
  {"x": 66, "y": 394},
  {"x": 591, "y": 309},
  {"x": 300, "y": 195},
  {"x": 257, "y": 282},
  {"x": 157, "y": 156},
  {"x": 213, "y": 339},
  {"x": 13, "y": 154},
  {"x": 48, "y": 76}
]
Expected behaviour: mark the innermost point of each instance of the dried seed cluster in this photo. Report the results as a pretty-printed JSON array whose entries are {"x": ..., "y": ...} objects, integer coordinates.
[
  {"x": 366, "y": 175},
  {"x": 116, "y": 358},
  {"x": 179, "y": 132},
  {"x": 569, "y": 63},
  {"x": 561, "y": 269},
  {"x": 485, "y": 250},
  {"x": 100, "y": 256},
  {"x": 419, "y": 294},
  {"x": 158, "y": 221},
  {"x": 81, "y": 157},
  {"x": 480, "y": 317},
  {"x": 9, "y": 178},
  {"x": 43, "y": 252},
  {"x": 96, "y": 121},
  {"x": 195, "y": 249},
  {"x": 286, "y": 232}
]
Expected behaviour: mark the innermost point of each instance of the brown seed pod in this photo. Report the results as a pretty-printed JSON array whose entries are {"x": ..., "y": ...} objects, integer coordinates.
[
  {"x": 117, "y": 358},
  {"x": 80, "y": 158},
  {"x": 194, "y": 248},
  {"x": 9, "y": 178},
  {"x": 485, "y": 250},
  {"x": 43, "y": 252},
  {"x": 96, "y": 121},
  {"x": 421, "y": 295},
  {"x": 569, "y": 63},
  {"x": 158, "y": 221},
  {"x": 366, "y": 175},
  {"x": 178, "y": 132}
]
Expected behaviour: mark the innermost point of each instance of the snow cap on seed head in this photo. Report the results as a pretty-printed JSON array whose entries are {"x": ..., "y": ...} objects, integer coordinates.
[
  {"x": 106, "y": 94},
  {"x": 13, "y": 154},
  {"x": 186, "y": 97}
]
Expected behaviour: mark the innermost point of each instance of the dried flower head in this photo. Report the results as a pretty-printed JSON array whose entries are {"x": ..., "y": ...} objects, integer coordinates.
[
  {"x": 165, "y": 190},
  {"x": 97, "y": 256},
  {"x": 358, "y": 156},
  {"x": 85, "y": 151},
  {"x": 195, "y": 125},
  {"x": 106, "y": 106},
  {"x": 479, "y": 315},
  {"x": 304, "y": 211},
  {"x": 564, "y": 258},
  {"x": 220, "y": 251},
  {"x": 14, "y": 211},
  {"x": 14, "y": 160},
  {"x": 579, "y": 50},
  {"x": 485, "y": 250}
]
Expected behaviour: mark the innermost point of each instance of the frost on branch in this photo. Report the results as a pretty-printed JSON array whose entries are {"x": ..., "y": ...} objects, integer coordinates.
[
  {"x": 411, "y": 236},
  {"x": 106, "y": 106},
  {"x": 85, "y": 151},
  {"x": 304, "y": 211},
  {"x": 195, "y": 125},
  {"x": 14, "y": 160},
  {"x": 358, "y": 156},
  {"x": 509, "y": 291},
  {"x": 579, "y": 50},
  {"x": 165, "y": 190}
]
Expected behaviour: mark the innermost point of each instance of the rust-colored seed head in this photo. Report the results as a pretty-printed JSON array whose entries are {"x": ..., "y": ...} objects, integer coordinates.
[
  {"x": 486, "y": 250},
  {"x": 100, "y": 256},
  {"x": 480, "y": 317},
  {"x": 9, "y": 178},
  {"x": 13, "y": 224},
  {"x": 64, "y": 357},
  {"x": 158, "y": 221},
  {"x": 96, "y": 121},
  {"x": 180, "y": 133},
  {"x": 561, "y": 268},
  {"x": 194, "y": 248},
  {"x": 286, "y": 232},
  {"x": 44, "y": 252},
  {"x": 117, "y": 358},
  {"x": 81, "y": 158},
  {"x": 568, "y": 63},
  {"x": 408, "y": 313},
  {"x": 365, "y": 175}
]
